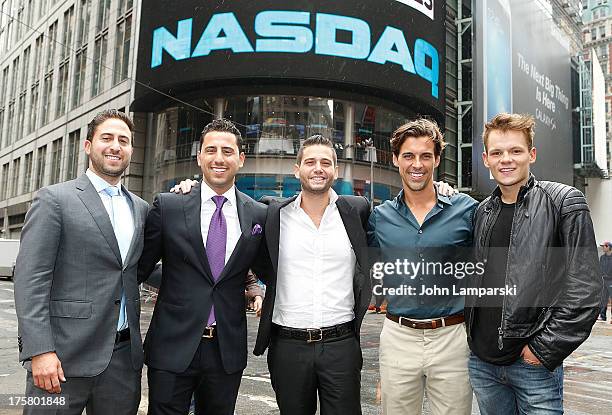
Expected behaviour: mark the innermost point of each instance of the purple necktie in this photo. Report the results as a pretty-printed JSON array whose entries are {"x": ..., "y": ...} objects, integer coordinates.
[{"x": 215, "y": 245}]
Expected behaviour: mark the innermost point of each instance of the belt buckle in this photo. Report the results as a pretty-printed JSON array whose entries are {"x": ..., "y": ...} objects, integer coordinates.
[
  {"x": 209, "y": 332},
  {"x": 315, "y": 331},
  {"x": 408, "y": 324}
]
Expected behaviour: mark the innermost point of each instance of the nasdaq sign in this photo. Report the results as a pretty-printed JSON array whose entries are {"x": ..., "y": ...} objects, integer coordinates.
[{"x": 382, "y": 44}]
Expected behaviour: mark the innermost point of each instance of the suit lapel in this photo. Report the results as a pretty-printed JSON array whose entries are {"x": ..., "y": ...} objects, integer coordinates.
[
  {"x": 192, "y": 206},
  {"x": 138, "y": 225},
  {"x": 273, "y": 229},
  {"x": 91, "y": 199},
  {"x": 354, "y": 228}
]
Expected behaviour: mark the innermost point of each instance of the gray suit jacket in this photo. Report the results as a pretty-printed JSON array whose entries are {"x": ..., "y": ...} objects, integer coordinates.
[{"x": 68, "y": 279}]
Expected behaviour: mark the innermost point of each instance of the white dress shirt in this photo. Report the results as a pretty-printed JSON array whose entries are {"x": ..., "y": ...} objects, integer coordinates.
[
  {"x": 314, "y": 287},
  {"x": 230, "y": 211}
]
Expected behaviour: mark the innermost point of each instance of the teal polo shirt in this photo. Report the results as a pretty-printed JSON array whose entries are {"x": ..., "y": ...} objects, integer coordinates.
[{"x": 446, "y": 230}]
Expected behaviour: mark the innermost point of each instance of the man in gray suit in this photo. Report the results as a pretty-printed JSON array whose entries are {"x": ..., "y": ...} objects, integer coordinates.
[{"x": 76, "y": 293}]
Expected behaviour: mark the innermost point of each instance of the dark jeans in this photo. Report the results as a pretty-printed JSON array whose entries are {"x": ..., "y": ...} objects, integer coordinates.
[{"x": 520, "y": 388}]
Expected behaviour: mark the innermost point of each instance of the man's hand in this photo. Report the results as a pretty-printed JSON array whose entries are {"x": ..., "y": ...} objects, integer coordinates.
[
  {"x": 184, "y": 186},
  {"x": 256, "y": 305},
  {"x": 47, "y": 372},
  {"x": 529, "y": 357},
  {"x": 445, "y": 189}
]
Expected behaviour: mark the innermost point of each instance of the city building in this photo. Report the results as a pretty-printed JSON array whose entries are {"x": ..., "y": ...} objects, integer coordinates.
[{"x": 351, "y": 71}]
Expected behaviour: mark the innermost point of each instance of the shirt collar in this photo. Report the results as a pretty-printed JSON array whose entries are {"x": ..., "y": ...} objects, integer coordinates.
[
  {"x": 208, "y": 193},
  {"x": 441, "y": 199},
  {"x": 100, "y": 184},
  {"x": 333, "y": 197}
]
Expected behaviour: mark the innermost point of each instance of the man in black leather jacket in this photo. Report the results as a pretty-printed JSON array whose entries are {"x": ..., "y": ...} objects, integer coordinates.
[{"x": 536, "y": 239}]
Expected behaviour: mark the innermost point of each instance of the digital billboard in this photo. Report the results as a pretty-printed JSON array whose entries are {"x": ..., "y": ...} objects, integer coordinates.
[
  {"x": 391, "y": 49},
  {"x": 522, "y": 65}
]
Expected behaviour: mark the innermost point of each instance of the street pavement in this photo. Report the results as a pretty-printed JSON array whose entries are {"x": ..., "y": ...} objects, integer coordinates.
[{"x": 588, "y": 371}]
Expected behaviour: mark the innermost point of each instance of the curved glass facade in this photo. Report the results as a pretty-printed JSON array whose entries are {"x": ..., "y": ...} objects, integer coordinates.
[{"x": 273, "y": 128}]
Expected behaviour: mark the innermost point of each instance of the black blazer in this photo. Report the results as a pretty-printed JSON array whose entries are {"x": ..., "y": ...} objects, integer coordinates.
[
  {"x": 354, "y": 211},
  {"x": 187, "y": 291}
]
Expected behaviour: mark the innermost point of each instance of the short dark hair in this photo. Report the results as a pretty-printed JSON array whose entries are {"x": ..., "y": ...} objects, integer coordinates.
[
  {"x": 422, "y": 127},
  {"x": 315, "y": 140},
  {"x": 224, "y": 126},
  {"x": 107, "y": 115}
]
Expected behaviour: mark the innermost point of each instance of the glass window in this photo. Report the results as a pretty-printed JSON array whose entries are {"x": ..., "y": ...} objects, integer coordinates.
[
  {"x": 99, "y": 69},
  {"x": 56, "y": 160},
  {"x": 33, "y": 108},
  {"x": 62, "y": 89},
  {"x": 15, "y": 177},
  {"x": 68, "y": 28},
  {"x": 41, "y": 157},
  {"x": 27, "y": 174},
  {"x": 4, "y": 184},
  {"x": 52, "y": 39},
  {"x": 73, "y": 154},
  {"x": 122, "y": 49},
  {"x": 79, "y": 77},
  {"x": 82, "y": 31},
  {"x": 46, "y": 99},
  {"x": 103, "y": 11}
]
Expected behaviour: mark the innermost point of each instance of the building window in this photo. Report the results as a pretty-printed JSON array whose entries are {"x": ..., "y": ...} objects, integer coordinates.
[
  {"x": 68, "y": 28},
  {"x": 38, "y": 56},
  {"x": 56, "y": 161},
  {"x": 1, "y": 126},
  {"x": 103, "y": 12},
  {"x": 33, "y": 108},
  {"x": 51, "y": 48},
  {"x": 3, "y": 190},
  {"x": 72, "y": 169},
  {"x": 15, "y": 177},
  {"x": 40, "y": 167},
  {"x": 62, "y": 89},
  {"x": 43, "y": 8},
  {"x": 14, "y": 79},
  {"x": 30, "y": 15},
  {"x": 21, "y": 106},
  {"x": 19, "y": 27},
  {"x": 9, "y": 124},
  {"x": 79, "y": 76},
  {"x": 82, "y": 31},
  {"x": 99, "y": 68},
  {"x": 46, "y": 107},
  {"x": 122, "y": 48},
  {"x": 26, "y": 69},
  {"x": 27, "y": 173}
]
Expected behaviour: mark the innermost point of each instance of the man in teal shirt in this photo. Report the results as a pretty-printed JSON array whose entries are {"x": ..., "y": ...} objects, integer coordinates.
[{"x": 423, "y": 343}]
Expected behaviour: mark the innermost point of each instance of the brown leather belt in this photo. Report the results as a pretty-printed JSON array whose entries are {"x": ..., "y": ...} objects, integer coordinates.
[{"x": 429, "y": 324}]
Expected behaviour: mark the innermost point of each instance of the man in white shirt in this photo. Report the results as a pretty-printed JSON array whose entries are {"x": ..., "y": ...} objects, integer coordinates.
[{"x": 316, "y": 294}]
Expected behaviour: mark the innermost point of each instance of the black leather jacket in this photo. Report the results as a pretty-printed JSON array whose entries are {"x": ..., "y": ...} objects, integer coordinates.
[{"x": 553, "y": 261}]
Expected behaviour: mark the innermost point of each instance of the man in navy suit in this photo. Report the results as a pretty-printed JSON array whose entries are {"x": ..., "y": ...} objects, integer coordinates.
[{"x": 207, "y": 239}]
